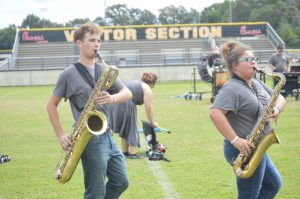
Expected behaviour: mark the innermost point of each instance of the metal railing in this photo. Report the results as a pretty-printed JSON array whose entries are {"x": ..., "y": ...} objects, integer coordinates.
[
  {"x": 9, "y": 62},
  {"x": 273, "y": 36},
  {"x": 179, "y": 58}
]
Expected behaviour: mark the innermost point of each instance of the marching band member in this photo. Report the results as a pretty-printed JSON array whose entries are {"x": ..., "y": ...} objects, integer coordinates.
[
  {"x": 104, "y": 165},
  {"x": 235, "y": 112},
  {"x": 124, "y": 115}
]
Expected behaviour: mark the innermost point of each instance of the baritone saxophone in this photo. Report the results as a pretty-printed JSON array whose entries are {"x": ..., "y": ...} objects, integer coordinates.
[
  {"x": 245, "y": 166},
  {"x": 91, "y": 122}
]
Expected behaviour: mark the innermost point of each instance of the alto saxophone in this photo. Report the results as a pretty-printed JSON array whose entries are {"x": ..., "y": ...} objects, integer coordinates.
[
  {"x": 91, "y": 121},
  {"x": 244, "y": 166}
]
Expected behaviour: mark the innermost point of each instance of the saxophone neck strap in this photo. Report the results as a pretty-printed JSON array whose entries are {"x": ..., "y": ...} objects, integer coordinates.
[
  {"x": 86, "y": 75},
  {"x": 253, "y": 89},
  {"x": 88, "y": 78}
]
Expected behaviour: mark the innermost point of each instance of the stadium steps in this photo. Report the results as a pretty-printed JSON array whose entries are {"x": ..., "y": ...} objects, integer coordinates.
[
  {"x": 129, "y": 53},
  {"x": 154, "y": 52},
  {"x": 261, "y": 46},
  {"x": 45, "y": 55}
]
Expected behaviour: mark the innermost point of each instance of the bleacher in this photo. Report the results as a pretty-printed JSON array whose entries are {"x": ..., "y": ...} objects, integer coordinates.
[
  {"x": 262, "y": 47},
  {"x": 157, "y": 52},
  {"x": 44, "y": 55},
  {"x": 53, "y": 49},
  {"x": 129, "y": 53}
]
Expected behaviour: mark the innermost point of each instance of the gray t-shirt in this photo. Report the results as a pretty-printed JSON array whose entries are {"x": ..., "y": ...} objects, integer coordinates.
[
  {"x": 243, "y": 104},
  {"x": 280, "y": 62},
  {"x": 71, "y": 85}
]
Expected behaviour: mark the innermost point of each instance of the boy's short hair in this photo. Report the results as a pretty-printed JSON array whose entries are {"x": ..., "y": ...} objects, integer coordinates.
[
  {"x": 88, "y": 27},
  {"x": 279, "y": 47}
]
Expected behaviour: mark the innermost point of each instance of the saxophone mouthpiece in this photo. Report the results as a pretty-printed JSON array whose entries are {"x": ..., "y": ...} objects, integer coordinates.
[
  {"x": 97, "y": 55},
  {"x": 258, "y": 70}
]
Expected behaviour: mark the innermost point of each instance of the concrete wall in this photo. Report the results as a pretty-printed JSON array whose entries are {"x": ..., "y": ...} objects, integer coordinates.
[{"x": 49, "y": 77}]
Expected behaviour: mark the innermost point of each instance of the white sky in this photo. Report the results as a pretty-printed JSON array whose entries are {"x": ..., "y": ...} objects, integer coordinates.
[{"x": 61, "y": 11}]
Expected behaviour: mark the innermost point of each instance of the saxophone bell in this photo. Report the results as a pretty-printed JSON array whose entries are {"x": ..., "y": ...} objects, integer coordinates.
[{"x": 96, "y": 122}]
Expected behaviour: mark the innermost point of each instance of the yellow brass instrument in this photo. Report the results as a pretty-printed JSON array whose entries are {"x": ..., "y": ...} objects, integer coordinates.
[
  {"x": 245, "y": 166},
  {"x": 91, "y": 121}
]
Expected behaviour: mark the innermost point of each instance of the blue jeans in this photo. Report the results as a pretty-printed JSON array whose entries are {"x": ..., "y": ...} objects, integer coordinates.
[
  {"x": 100, "y": 159},
  {"x": 265, "y": 183}
]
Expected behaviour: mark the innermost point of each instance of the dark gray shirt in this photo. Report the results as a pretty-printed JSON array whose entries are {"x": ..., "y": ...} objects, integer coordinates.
[
  {"x": 135, "y": 86},
  {"x": 71, "y": 85},
  {"x": 243, "y": 104},
  {"x": 280, "y": 62}
]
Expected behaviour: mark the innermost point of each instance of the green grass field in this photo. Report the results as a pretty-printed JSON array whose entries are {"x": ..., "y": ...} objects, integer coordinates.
[{"x": 197, "y": 169}]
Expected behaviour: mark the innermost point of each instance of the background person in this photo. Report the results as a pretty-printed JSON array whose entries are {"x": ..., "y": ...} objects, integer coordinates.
[
  {"x": 279, "y": 62},
  {"x": 235, "y": 112},
  {"x": 124, "y": 116},
  {"x": 101, "y": 157}
]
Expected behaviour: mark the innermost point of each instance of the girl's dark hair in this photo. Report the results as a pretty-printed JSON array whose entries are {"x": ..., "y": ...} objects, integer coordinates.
[
  {"x": 149, "y": 78},
  {"x": 232, "y": 51}
]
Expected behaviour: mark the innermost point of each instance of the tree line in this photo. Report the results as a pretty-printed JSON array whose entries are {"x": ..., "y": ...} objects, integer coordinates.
[{"x": 283, "y": 15}]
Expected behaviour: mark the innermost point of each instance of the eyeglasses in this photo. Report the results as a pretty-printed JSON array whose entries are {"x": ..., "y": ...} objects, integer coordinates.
[{"x": 248, "y": 59}]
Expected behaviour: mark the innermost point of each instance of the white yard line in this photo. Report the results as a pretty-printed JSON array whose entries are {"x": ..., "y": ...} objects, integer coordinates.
[
  {"x": 13, "y": 93},
  {"x": 162, "y": 179}
]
